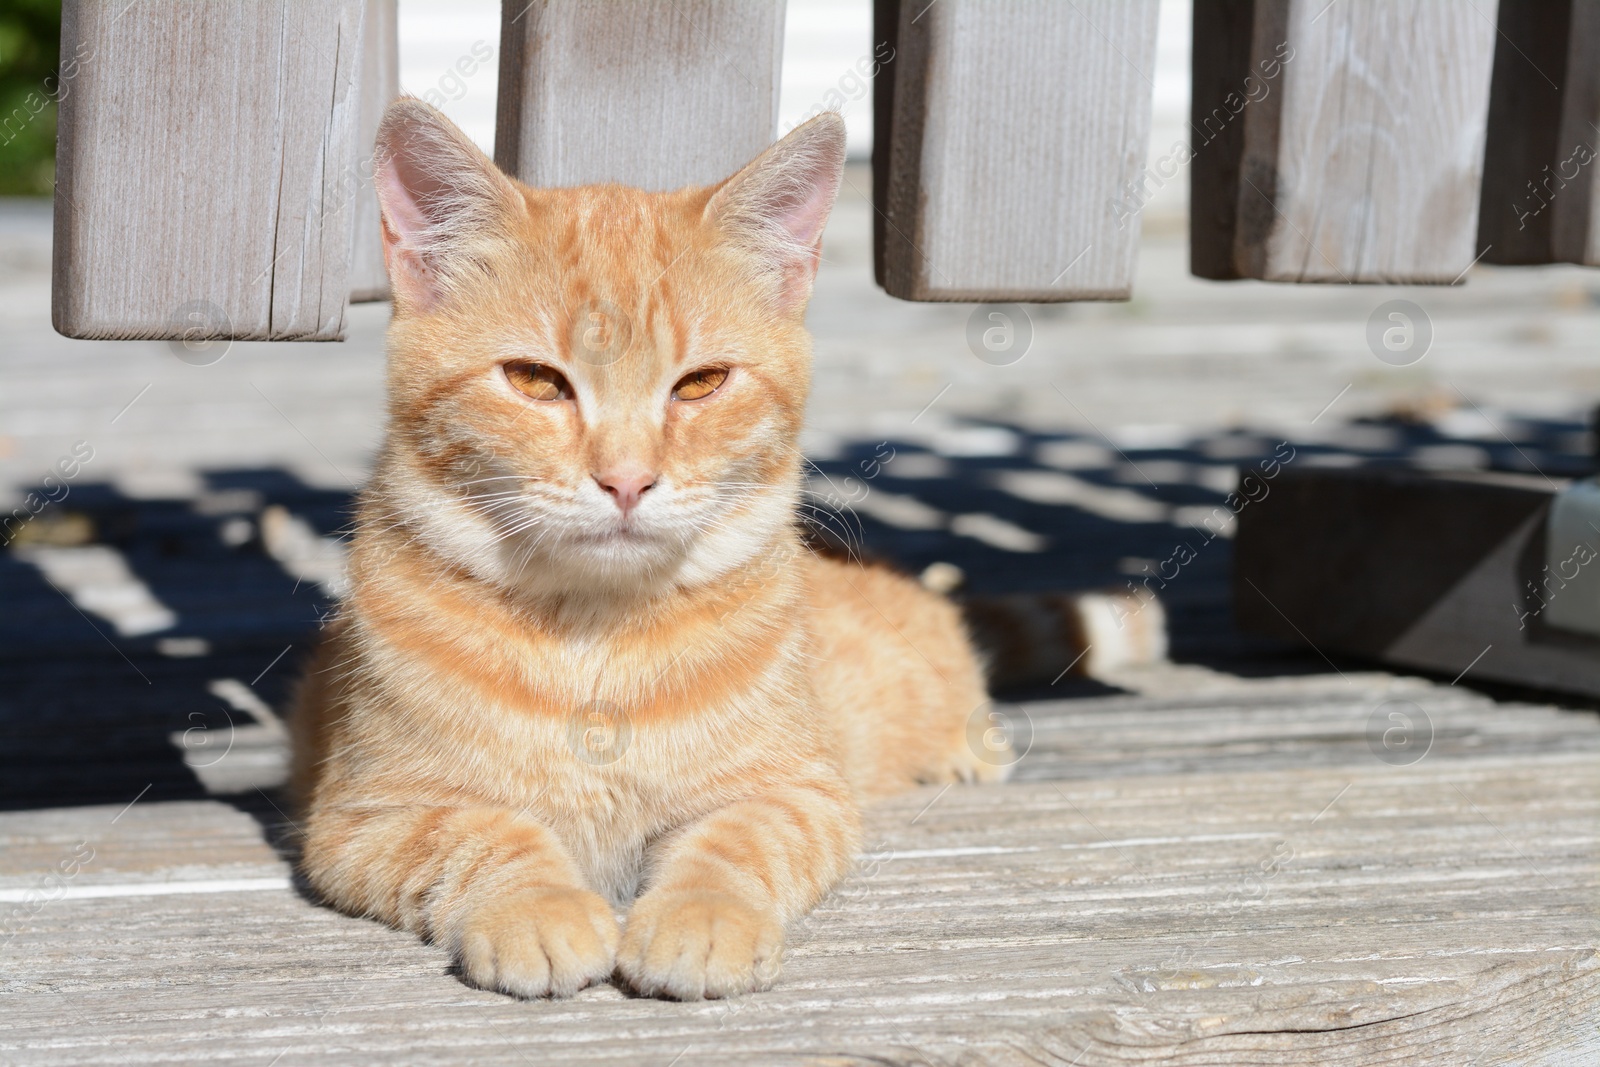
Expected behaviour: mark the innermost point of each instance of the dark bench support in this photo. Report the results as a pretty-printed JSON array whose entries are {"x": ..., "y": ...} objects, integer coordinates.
[{"x": 1440, "y": 572}]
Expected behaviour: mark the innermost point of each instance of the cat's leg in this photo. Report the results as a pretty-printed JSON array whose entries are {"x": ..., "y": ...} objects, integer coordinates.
[
  {"x": 493, "y": 886},
  {"x": 710, "y": 923}
]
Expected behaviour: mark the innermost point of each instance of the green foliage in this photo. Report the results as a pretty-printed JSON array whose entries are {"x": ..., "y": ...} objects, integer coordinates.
[{"x": 30, "y": 50}]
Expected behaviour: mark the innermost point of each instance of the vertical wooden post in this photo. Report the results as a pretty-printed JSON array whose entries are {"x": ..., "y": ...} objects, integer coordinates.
[
  {"x": 380, "y": 83},
  {"x": 1012, "y": 164},
  {"x": 1541, "y": 179},
  {"x": 652, "y": 93},
  {"x": 204, "y": 169},
  {"x": 1358, "y": 157}
]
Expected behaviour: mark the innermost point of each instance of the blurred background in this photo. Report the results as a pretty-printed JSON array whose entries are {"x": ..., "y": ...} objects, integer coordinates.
[{"x": 186, "y": 564}]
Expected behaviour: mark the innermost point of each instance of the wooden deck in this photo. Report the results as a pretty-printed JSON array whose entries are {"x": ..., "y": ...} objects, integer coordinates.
[
  {"x": 1210, "y": 871},
  {"x": 1215, "y": 862}
]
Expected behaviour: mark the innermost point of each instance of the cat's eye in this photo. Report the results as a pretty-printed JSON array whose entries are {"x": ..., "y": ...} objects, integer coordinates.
[
  {"x": 702, "y": 383},
  {"x": 538, "y": 381}
]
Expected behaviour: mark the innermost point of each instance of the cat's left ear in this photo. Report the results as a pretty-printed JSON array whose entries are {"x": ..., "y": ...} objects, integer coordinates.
[
  {"x": 775, "y": 208},
  {"x": 444, "y": 204}
]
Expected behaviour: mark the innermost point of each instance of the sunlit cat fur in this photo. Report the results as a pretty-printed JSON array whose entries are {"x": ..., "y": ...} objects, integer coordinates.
[{"x": 586, "y": 664}]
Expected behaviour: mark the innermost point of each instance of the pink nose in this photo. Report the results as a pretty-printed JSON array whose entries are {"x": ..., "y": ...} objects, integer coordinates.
[{"x": 626, "y": 487}]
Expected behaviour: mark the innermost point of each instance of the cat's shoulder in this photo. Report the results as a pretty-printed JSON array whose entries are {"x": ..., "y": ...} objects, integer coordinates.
[{"x": 861, "y": 582}]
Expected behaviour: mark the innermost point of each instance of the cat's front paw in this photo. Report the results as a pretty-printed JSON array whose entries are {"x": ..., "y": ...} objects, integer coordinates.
[
  {"x": 539, "y": 942},
  {"x": 689, "y": 944}
]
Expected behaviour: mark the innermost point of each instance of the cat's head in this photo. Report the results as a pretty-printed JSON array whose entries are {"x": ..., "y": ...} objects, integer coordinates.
[{"x": 596, "y": 387}]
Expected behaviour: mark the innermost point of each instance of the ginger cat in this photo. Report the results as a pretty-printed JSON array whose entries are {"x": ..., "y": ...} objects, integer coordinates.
[{"x": 586, "y": 663}]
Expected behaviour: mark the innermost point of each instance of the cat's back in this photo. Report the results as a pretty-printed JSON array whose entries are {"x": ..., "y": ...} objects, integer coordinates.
[{"x": 896, "y": 672}]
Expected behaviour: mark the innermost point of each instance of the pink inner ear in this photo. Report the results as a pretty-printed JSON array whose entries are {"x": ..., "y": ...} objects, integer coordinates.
[
  {"x": 406, "y": 219},
  {"x": 776, "y": 206},
  {"x": 405, "y": 228},
  {"x": 440, "y": 196},
  {"x": 806, "y": 217},
  {"x": 800, "y": 209}
]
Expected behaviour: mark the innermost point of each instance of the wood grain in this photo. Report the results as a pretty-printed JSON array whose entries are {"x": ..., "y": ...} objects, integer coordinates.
[
  {"x": 204, "y": 169},
  {"x": 1363, "y": 163},
  {"x": 1541, "y": 174},
  {"x": 1014, "y": 132},
  {"x": 1277, "y": 896},
  {"x": 657, "y": 94},
  {"x": 380, "y": 83}
]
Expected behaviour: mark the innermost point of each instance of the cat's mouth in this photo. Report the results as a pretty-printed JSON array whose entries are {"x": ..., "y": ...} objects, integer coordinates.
[{"x": 625, "y": 532}]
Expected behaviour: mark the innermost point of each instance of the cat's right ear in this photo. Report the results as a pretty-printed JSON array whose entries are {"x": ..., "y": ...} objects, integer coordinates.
[
  {"x": 778, "y": 204},
  {"x": 442, "y": 200}
]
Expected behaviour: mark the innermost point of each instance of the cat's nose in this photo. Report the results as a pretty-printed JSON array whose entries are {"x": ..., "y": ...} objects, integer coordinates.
[{"x": 626, "y": 486}]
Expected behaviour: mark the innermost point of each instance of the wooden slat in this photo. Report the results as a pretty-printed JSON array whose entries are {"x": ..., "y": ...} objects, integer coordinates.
[
  {"x": 380, "y": 83},
  {"x": 1541, "y": 176},
  {"x": 1015, "y": 136},
  {"x": 657, "y": 94},
  {"x": 202, "y": 174},
  {"x": 1178, "y": 879},
  {"x": 1362, "y": 161}
]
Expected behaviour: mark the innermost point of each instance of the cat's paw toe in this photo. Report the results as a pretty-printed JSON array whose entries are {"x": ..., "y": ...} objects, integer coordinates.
[
  {"x": 689, "y": 945},
  {"x": 981, "y": 759},
  {"x": 540, "y": 942}
]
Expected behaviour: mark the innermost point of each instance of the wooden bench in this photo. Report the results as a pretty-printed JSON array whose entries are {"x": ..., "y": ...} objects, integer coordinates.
[{"x": 1341, "y": 867}]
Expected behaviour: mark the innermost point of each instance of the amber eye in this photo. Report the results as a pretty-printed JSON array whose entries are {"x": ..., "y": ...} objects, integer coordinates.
[
  {"x": 538, "y": 381},
  {"x": 701, "y": 383}
]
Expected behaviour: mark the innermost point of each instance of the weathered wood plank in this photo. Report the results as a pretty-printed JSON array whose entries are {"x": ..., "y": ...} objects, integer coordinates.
[
  {"x": 1351, "y": 913},
  {"x": 1363, "y": 163},
  {"x": 204, "y": 169},
  {"x": 1541, "y": 179},
  {"x": 658, "y": 94},
  {"x": 1196, "y": 721},
  {"x": 1016, "y": 133},
  {"x": 380, "y": 83}
]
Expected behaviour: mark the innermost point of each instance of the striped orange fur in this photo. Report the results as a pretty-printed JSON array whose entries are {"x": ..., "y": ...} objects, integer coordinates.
[{"x": 586, "y": 663}]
